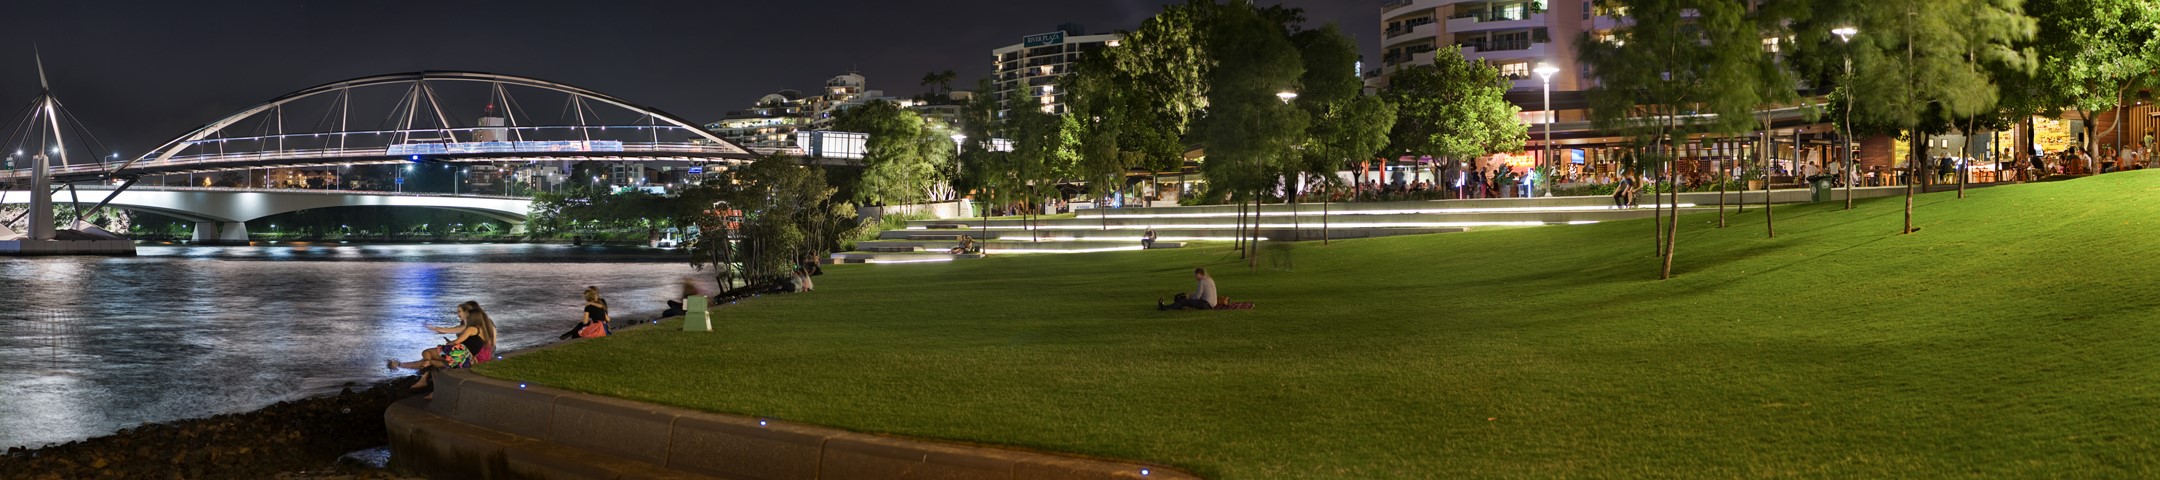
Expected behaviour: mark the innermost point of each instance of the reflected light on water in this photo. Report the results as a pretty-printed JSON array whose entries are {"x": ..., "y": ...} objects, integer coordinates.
[{"x": 184, "y": 332}]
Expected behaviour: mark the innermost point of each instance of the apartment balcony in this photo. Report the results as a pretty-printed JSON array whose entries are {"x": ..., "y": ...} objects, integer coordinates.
[
  {"x": 1420, "y": 58},
  {"x": 1399, "y": 7},
  {"x": 1488, "y": 22},
  {"x": 1505, "y": 51},
  {"x": 1406, "y": 35}
]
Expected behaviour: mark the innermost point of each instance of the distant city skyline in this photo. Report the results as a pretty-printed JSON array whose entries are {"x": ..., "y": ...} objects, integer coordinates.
[{"x": 138, "y": 73}]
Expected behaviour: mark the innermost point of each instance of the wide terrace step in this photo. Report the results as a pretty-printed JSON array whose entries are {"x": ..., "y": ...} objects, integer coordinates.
[{"x": 1019, "y": 245}]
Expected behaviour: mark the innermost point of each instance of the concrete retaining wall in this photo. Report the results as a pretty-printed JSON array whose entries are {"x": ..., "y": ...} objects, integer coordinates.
[{"x": 485, "y": 428}]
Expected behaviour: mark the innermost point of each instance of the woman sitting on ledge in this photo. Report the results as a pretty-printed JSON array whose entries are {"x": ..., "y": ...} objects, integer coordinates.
[{"x": 475, "y": 344}]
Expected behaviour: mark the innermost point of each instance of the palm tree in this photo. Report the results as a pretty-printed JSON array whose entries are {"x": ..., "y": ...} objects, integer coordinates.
[{"x": 943, "y": 80}]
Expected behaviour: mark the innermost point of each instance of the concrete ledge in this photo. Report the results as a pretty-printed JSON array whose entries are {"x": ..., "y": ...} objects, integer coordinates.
[
  {"x": 616, "y": 427},
  {"x": 479, "y": 427},
  {"x": 855, "y": 455},
  {"x": 738, "y": 447}
]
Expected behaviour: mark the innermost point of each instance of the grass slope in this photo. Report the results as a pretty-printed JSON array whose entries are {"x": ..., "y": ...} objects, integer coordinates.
[{"x": 2013, "y": 336}]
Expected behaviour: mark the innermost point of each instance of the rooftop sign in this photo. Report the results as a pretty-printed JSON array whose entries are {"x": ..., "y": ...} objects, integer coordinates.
[{"x": 1052, "y": 38}]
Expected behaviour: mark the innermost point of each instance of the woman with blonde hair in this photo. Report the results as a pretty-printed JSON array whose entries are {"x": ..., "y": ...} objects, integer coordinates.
[
  {"x": 594, "y": 323},
  {"x": 475, "y": 344}
]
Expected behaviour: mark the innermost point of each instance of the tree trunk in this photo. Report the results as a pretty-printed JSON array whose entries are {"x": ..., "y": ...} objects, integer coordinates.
[
  {"x": 1251, "y": 258},
  {"x": 1965, "y": 151},
  {"x": 1845, "y": 148},
  {"x": 1327, "y": 198},
  {"x": 1721, "y": 187},
  {"x": 1239, "y": 243},
  {"x": 1672, "y": 234},
  {"x": 1657, "y": 206},
  {"x": 1769, "y": 219},
  {"x": 1298, "y": 234},
  {"x": 1913, "y": 173}
]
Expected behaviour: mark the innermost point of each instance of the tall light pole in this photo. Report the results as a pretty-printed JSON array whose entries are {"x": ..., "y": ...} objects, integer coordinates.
[
  {"x": 1546, "y": 71},
  {"x": 1845, "y": 34},
  {"x": 1286, "y": 97}
]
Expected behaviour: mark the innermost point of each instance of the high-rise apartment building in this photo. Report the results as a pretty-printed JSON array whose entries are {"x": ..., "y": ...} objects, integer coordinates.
[
  {"x": 1514, "y": 35},
  {"x": 1026, "y": 73}
]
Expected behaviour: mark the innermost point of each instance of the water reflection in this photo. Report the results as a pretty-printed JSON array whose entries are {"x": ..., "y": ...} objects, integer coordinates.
[{"x": 90, "y": 345}]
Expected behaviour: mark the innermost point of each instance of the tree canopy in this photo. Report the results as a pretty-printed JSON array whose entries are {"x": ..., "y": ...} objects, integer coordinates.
[
  {"x": 1454, "y": 108},
  {"x": 905, "y": 156}
]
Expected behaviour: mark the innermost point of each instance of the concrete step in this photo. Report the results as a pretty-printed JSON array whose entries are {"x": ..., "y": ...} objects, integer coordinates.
[
  {"x": 1012, "y": 246},
  {"x": 1496, "y": 210},
  {"x": 1284, "y": 220},
  {"x": 1131, "y": 236},
  {"x": 914, "y": 257}
]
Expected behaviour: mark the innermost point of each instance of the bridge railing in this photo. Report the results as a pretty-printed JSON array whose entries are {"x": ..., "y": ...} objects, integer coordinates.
[
  {"x": 378, "y": 154},
  {"x": 303, "y": 191}
]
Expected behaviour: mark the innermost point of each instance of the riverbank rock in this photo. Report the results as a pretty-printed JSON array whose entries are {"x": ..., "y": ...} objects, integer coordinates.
[{"x": 286, "y": 440}]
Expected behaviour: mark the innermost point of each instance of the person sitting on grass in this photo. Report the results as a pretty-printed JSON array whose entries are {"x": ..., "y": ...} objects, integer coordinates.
[
  {"x": 967, "y": 245},
  {"x": 1147, "y": 242},
  {"x": 594, "y": 322},
  {"x": 475, "y": 344},
  {"x": 1203, "y": 297}
]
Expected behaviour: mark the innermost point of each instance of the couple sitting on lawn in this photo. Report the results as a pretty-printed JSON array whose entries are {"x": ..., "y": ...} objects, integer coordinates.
[{"x": 1203, "y": 298}]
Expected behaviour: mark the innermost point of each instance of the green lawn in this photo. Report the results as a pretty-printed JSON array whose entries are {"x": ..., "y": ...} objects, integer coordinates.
[{"x": 2016, "y": 335}]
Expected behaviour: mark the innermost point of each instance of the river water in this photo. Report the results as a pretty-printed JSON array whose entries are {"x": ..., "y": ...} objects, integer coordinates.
[{"x": 90, "y": 345}]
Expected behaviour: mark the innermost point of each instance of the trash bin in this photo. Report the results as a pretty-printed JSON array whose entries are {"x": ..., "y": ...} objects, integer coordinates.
[{"x": 1820, "y": 186}]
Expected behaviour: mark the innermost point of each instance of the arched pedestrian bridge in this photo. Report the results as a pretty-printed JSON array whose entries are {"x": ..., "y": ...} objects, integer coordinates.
[
  {"x": 220, "y": 214},
  {"x": 432, "y": 117}
]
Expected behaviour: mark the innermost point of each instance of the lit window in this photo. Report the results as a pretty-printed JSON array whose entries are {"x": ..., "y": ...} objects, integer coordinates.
[{"x": 1515, "y": 71}]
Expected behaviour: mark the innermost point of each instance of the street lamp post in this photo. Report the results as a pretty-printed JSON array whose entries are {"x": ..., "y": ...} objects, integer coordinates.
[
  {"x": 1286, "y": 96},
  {"x": 1845, "y": 34},
  {"x": 1546, "y": 71}
]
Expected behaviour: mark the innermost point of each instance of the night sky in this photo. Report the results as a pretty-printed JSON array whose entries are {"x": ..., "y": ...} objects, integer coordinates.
[{"x": 141, "y": 72}]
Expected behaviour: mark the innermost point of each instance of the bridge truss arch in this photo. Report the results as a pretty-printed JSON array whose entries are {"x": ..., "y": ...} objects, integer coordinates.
[{"x": 429, "y": 116}]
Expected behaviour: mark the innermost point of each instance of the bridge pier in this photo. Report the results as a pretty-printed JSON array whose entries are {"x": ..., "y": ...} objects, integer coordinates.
[{"x": 220, "y": 233}]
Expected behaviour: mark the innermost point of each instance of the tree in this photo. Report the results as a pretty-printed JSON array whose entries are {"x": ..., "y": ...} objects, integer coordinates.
[
  {"x": 1159, "y": 77},
  {"x": 2095, "y": 52},
  {"x": 1347, "y": 125},
  {"x": 1920, "y": 63},
  {"x": 980, "y": 170},
  {"x": 1681, "y": 67},
  {"x": 904, "y": 156},
  {"x": 1249, "y": 131},
  {"x": 942, "y": 80},
  {"x": 1045, "y": 151},
  {"x": 1454, "y": 109},
  {"x": 788, "y": 214}
]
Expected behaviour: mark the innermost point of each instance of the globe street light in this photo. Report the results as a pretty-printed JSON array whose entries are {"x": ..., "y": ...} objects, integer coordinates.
[
  {"x": 1546, "y": 71},
  {"x": 1286, "y": 97},
  {"x": 1845, "y": 35}
]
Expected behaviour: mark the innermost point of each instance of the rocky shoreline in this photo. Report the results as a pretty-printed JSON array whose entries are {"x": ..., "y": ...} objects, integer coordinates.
[{"x": 292, "y": 439}]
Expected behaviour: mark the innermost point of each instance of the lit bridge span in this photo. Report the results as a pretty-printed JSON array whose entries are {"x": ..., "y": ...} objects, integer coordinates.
[
  {"x": 220, "y": 214},
  {"x": 421, "y": 117}
]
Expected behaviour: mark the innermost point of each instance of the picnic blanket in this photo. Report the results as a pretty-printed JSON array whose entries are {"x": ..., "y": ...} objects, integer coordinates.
[{"x": 1235, "y": 306}]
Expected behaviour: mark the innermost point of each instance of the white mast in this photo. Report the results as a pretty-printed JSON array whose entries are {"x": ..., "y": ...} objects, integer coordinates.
[{"x": 41, "y": 206}]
